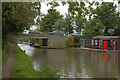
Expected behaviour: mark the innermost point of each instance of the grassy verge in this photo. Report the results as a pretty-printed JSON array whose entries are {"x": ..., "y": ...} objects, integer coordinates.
[
  {"x": 5, "y": 54},
  {"x": 23, "y": 67}
]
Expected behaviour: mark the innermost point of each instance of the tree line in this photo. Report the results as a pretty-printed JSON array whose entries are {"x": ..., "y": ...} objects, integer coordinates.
[{"x": 99, "y": 21}]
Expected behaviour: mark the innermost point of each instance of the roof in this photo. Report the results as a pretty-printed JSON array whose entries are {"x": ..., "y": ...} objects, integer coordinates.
[
  {"x": 76, "y": 34},
  {"x": 106, "y": 37},
  {"x": 40, "y": 37},
  {"x": 57, "y": 32},
  {"x": 35, "y": 32}
]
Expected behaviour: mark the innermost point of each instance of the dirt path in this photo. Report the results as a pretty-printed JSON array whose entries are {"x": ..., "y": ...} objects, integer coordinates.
[{"x": 7, "y": 68}]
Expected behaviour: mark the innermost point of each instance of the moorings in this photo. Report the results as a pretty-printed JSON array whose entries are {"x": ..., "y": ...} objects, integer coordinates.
[{"x": 106, "y": 42}]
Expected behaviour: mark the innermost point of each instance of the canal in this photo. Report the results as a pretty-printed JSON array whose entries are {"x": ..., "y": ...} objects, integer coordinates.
[{"x": 71, "y": 63}]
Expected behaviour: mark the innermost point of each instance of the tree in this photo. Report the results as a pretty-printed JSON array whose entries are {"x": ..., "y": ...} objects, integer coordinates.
[
  {"x": 77, "y": 11},
  {"x": 107, "y": 13},
  {"x": 93, "y": 28},
  {"x": 47, "y": 22},
  {"x": 70, "y": 41},
  {"x": 60, "y": 24},
  {"x": 16, "y": 17},
  {"x": 116, "y": 31},
  {"x": 69, "y": 26}
]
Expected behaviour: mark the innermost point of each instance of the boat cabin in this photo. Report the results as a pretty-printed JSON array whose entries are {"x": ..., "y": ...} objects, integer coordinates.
[{"x": 106, "y": 42}]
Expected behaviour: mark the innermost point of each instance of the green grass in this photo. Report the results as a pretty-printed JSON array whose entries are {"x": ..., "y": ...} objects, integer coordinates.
[
  {"x": 47, "y": 71},
  {"x": 23, "y": 67},
  {"x": 5, "y": 54}
]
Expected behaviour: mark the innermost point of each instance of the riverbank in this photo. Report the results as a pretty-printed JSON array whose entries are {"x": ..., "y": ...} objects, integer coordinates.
[
  {"x": 23, "y": 67},
  {"x": 81, "y": 48},
  {"x": 98, "y": 50}
]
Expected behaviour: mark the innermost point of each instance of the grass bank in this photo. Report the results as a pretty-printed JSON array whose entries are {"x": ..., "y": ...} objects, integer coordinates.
[{"x": 23, "y": 67}]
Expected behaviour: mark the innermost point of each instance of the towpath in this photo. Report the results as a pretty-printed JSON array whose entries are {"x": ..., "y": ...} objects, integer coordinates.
[{"x": 7, "y": 68}]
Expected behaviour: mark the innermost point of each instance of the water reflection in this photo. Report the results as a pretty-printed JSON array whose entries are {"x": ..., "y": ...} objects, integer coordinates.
[{"x": 78, "y": 63}]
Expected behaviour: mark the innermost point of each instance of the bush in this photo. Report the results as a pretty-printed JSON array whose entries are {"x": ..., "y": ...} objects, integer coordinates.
[
  {"x": 77, "y": 44},
  {"x": 70, "y": 41},
  {"x": 76, "y": 39},
  {"x": 47, "y": 71}
]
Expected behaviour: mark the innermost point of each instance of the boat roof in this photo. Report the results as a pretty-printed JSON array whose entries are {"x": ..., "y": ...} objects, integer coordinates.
[{"x": 106, "y": 37}]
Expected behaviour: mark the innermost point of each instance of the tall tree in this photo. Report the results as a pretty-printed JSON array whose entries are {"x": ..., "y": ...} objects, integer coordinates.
[
  {"x": 77, "y": 11},
  {"x": 47, "y": 22},
  {"x": 69, "y": 24},
  {"x": 16, "y": 17},
  {"x": 93, "y": 28},
  {"x": 60, "y": 24},
  {"x": 107, "y": 13}
]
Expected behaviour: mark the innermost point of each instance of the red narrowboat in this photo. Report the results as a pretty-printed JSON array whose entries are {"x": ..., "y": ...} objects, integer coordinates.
[{"x": 106, "y": 42}]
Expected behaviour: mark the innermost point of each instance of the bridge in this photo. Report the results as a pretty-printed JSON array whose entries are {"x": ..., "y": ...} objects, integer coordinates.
[{"x": 47, "y": 38}]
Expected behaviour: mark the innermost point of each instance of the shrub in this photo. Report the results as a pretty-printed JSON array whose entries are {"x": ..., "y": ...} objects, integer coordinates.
[
  {"x": 47, "y": 71},
  {"x": 76, "y": 39},
  {"x": 70, "y": 41},
  {"x": 77, "y": 44}
]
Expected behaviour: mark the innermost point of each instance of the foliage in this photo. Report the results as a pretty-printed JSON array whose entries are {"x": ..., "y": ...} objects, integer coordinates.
[
  {"x": 70, "y": 41},
  {"x": 77, "y": 44},
  {"x": 47, "y": 71},
  {"x": 69, "y": 26},
  {"x": 53, "y": 4},
  {"x": 16, "y": 17},
  {"x": 93, "y": 28},
  {"x": 60, "y": 24},
  {"x": 47, "y": 22},
  {"x": 76, "y": 39},
  {"x": 77, "y": 10},
  {"x": 107, "y": 13}
]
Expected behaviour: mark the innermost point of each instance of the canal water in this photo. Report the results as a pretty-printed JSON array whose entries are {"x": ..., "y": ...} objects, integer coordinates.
[{"x": 71, "y": 63}]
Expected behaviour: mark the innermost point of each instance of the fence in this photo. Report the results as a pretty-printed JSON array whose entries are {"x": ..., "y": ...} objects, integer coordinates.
[{"x": 86, "y": 43}]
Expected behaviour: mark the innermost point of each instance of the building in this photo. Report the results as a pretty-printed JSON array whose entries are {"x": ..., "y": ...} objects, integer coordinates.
[
  {"x": 106, "y": 42},
  {"x": 57, "y": 39}
]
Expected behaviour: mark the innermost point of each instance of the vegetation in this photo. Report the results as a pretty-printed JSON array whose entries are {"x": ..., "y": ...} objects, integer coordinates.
[
  {"x": 17, "y": 17},
  {"x": 76, "y": 45},
  {"x": 23, "y": 67},
  {"x": 49, "y": 20},
  {"x": 94, "y": 21},
  {"x": 70, "y": 41},
  {"x": 96, "y": 29},
  {"x": 76, "y": 41},
  {"x": 37, "y": 42},
  {"x": 78, "y": 17},
  {"x": 47, "y": 71}
]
